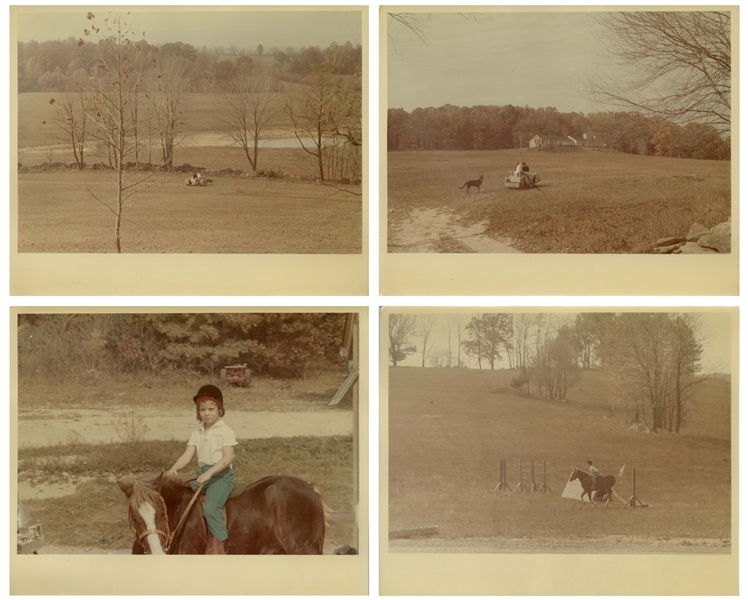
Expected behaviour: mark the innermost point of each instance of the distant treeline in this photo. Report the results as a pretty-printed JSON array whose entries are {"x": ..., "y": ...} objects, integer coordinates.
[
  {"x": 83, "y": 347},
  {"x": 54, "y": 66},
  {"x": 502, "y": 127}
]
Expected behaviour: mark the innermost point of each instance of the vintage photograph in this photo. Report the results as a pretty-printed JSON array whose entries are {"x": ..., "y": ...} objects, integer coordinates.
[
  {"x": 558, "y": 131},
  {"x": 560, "y": 432},
  {"x": 188, "y": 433},
  {"x": 190, "y": 130}
]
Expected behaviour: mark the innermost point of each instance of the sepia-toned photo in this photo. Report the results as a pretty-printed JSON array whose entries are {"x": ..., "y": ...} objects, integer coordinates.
[
  {"x": 556, "y": 432},
  {"x": 191, "y": 131},
  {"x": 555, "y": 132},
  {"x": 202, "y": 433}
]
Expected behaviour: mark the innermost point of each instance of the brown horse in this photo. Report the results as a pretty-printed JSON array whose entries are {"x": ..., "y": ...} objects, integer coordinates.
[
  {"x": 275, "y": 515},
  {"x": 603, "y": 484}
]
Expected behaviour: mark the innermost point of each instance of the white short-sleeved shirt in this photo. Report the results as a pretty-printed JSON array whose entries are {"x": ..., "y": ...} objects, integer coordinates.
[
  {"x": 593, "y": 470},
  {"x": 210, "y": 444}
]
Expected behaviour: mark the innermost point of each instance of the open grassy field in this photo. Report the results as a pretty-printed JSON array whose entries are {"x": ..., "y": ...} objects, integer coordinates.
[
  {"x": 291, "y": 214},
  {"x": 449, "y": 428},
  {"x": 57, "y": 213},
  {"x": 588, "y": 201}
]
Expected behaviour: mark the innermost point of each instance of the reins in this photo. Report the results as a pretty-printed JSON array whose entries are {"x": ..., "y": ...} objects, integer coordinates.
[
  {"x": 173, "y": 535},
  {"x": 167, "y": 535}
]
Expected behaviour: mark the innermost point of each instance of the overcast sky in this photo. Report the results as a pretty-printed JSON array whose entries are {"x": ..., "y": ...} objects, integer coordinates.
[
  {"x": 536, "y": 59},
  {"x": 243, "y": 28},
  {"x": 716, "y": 331}
]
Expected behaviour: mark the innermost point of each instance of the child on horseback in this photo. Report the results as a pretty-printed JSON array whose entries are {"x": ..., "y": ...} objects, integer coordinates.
[
  {"x": 594, "y": 472},
  {"x": 214, "y": 443}
]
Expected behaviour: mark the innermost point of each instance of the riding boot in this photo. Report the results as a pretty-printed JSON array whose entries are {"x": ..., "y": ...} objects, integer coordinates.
[
  {"x": 215, "y": 546},
  {"x": 226, "y": 546}
]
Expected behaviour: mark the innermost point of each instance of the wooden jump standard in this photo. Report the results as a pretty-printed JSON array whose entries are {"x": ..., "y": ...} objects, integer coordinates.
[
  {"x": 633, "y": 500},
  {"x": 502, "y": 485}
]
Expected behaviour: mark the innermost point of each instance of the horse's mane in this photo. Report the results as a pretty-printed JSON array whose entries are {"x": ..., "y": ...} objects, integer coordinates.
[
  {"x": 148, "y": 489},
  {"x": 144, "y": 490}
]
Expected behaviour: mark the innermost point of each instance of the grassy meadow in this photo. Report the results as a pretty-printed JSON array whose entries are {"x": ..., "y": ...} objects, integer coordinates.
[
  {"x": 61, "y": 210},
  {"x": 57, "y": 212},
  {"x": 588, "y": 201},
  {"x": 449, "y": 428}
]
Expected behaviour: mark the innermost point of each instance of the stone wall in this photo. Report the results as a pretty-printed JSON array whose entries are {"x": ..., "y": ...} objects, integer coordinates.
[{"x": 699, "y": 240}]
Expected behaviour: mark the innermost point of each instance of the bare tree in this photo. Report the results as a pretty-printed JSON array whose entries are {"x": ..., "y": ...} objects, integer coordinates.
[
  {"x": 166, "y": 94},
  {"x": 71, "y": 119},
  {"x": 114, "y": 83},
  {"x": 401, "y": 329},
  {"x": 553, "y": 363},
  {"x": 424, "y": 329},
  {"x": 248, "y": 107},
  {"x": 675, "y": 65},
  {"x": 312, "y": 108},
  {"x": 657, "y": 357}
]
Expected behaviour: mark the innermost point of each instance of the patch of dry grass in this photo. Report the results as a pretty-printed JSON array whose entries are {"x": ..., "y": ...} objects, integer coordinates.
[
  {"x": 588, "y": 201},
  {"x": 57, "y": 213},
  {"x": 265, "y": 394},
  {"x": 448, "y": 433}
]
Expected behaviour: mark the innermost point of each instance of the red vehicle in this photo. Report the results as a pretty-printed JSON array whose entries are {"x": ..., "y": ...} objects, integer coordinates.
[{"x": 236, "y": 375}]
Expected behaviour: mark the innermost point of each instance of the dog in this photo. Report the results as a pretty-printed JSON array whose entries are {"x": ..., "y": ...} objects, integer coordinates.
[{"x": 473, "y": 183}]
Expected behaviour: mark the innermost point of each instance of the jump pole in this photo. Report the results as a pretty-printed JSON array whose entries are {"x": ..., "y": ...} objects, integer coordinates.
[
  {"x": 534, "y": 486},
  {"x": 633, "y": 500},
  {"x": 545, "y": 487},
  {"x": 502, "y": 485},
  {"x": 521, "y": 485}
]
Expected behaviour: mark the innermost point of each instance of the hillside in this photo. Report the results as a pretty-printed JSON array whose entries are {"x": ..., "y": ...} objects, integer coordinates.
[
  {"x": 587, "y": 201},
  {"x": 450, "y": 428}
]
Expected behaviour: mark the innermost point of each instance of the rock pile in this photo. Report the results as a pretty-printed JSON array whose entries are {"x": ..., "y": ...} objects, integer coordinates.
[{"x": 699, "y": 240}]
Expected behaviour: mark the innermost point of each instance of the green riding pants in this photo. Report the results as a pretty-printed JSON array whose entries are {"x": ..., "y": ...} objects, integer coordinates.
[{"x": 217, "y": 490}]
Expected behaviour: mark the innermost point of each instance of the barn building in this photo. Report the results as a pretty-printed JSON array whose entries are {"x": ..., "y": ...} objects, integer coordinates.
[{"x": 586, "y": 140}]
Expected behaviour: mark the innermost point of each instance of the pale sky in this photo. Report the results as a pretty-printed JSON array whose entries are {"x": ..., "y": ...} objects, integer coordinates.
[
  {"x": 716, "y": 329},
  {"x": 536, "y": 59},
  {"x": 243, "y": 28}
]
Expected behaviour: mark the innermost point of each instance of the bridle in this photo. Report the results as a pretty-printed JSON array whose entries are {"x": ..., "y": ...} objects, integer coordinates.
[
  {"x": 161, "y": 532},
  {"x": 168, "y": 537}
]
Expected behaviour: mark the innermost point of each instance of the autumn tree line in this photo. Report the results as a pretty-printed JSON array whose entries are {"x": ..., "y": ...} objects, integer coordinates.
[
  {"x": 503, "y": 127},
  {"x": 651, "y": 360},
  {"x": 91, "y": 347},
  {"x": 54, "y": 66}
]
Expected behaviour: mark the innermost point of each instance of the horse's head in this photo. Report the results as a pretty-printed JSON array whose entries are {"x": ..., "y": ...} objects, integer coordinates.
[
  {"x": 146, "y": 512},
  {"x": 575, "y": 474}
]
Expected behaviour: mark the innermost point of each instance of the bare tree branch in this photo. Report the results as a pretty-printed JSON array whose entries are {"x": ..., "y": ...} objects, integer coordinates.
[{"x": 676, "y": 65}]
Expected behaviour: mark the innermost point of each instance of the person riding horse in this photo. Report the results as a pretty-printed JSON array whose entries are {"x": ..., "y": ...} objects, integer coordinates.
[{"x": 594, "y": 472}]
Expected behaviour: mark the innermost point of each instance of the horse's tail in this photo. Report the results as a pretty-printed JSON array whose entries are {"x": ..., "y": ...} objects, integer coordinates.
[
  {"x": 338, "y": 517},
  {"x": 620, "y": 473}
]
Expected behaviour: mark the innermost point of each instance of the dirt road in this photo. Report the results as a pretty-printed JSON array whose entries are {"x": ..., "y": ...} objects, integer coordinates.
[
  {"x": 43, "y": 427},
  {"x": 437, "y": 230}
]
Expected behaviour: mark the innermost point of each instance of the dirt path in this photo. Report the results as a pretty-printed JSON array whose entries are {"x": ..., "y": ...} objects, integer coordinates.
[
  {"x": 613, "y": 544},
  {"x": 42, "y": 427},
  {"x": 437, "y": 230}
]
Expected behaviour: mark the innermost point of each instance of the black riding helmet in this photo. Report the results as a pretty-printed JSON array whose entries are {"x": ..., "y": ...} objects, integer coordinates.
[{"x": 209, "y": 391}]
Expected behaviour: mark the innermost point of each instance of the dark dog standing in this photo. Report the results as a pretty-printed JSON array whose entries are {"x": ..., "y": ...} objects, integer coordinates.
[{"x": 473, "y": 183}]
